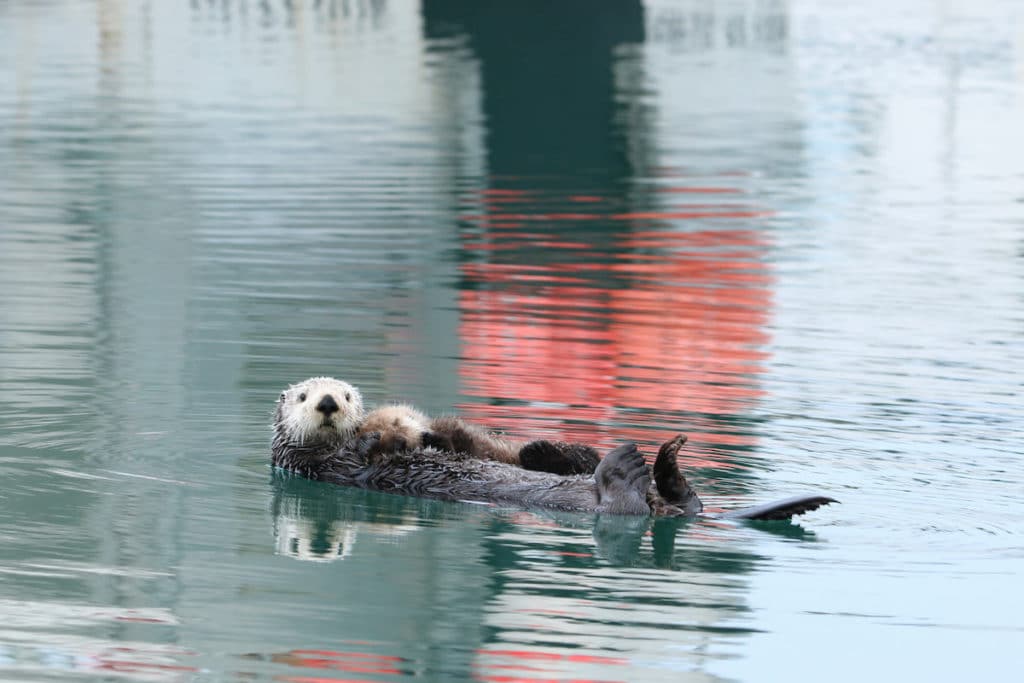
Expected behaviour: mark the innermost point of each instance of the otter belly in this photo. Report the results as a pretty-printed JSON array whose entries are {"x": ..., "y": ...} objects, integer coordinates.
[
  {"x": 426, "y": 473},
  {"x": 620, "y": 484}
]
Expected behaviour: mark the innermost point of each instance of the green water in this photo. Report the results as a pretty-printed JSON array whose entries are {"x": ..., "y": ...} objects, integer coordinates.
[{"x": 793, "y": 230}]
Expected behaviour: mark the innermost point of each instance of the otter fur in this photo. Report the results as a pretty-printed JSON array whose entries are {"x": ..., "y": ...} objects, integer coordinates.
[
  {"x": 400, "y": 426},
  {"x": 316, "y": 434}
]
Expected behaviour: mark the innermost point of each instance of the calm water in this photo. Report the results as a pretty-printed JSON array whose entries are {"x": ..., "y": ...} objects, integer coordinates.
[{"x": 794, "y": 230}]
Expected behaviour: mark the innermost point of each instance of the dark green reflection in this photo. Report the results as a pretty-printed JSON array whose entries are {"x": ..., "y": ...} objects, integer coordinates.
[{"x": 548, "y": 82}]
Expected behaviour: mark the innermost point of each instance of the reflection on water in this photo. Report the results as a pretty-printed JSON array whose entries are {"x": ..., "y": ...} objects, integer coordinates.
[
  {"x": 791, "y": 230},
  {"x": 551, "y": 590},
  {"x": 662, "y": 329}
]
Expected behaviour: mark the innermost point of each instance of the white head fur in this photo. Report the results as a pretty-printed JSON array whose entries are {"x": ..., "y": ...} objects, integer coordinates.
[{"x": 319, "y": 411}]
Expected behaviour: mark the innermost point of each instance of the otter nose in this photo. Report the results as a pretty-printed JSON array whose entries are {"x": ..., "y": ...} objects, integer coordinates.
[{"x": 327, "y": 406}]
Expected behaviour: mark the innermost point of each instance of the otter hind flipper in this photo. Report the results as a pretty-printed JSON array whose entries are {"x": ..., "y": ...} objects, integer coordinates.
[
  {"x": 780, "y": 509},
  {"x": 559, "y": 457},
  {"x": 623, "y": 479},
  {"x": 671, "y": 484}
]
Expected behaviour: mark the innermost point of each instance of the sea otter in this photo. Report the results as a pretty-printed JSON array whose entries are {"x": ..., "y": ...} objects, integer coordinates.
[{"x": 316, "y": 434}]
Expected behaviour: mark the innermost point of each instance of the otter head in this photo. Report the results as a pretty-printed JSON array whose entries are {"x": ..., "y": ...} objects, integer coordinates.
[{"x": 314, "y": 418}]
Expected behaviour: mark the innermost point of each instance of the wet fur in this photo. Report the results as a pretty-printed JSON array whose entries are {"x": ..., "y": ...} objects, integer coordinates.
[{"x": 429, "y": 473}]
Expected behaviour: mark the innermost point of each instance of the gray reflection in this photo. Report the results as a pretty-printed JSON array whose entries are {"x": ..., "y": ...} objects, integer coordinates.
[
  {"x": 733, "y": 25},
  {"x": 530, "y": 565},
  {"x": 415, "y": 579},
  {"x": 319, "y": 522}
]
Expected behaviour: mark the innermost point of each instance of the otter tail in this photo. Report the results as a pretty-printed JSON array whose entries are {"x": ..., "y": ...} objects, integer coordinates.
[{"x": 780, "y": 509}]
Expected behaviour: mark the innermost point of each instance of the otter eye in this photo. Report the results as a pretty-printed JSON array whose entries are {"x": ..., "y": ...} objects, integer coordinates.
[
  {"x": 302, "y": 397},
  {"x": 348, "y": 396}
]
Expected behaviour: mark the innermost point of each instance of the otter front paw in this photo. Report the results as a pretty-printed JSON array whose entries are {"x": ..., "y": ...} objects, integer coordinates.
[
  {"x": 437, "y": 441},
  {"x": 374, "y": 444},
  {"x": 558, "y": 458},
  {"x": 367, "y": 444}
]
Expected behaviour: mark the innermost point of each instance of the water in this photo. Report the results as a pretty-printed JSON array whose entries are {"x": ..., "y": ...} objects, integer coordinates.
[{"x": 793, "y": 230}]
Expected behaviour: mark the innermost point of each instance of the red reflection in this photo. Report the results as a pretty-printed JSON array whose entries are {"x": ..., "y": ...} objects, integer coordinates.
[
  {"x": 127, "y": 666},
  {"x": 546, "y": 217},
  {"x": 125, "y": 659},
  {"x": 666, "y": 337},
  {"x": 350, "y": 662},
  {"x": 539, "y": 662},
  {"x": 108, "y": 662},
  {"x": 554, "y": 656},
  {"x": 517, "y": 679}
]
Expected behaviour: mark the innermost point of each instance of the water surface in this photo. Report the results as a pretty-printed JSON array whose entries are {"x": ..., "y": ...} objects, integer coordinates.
[{"x": 794, "y": 231}]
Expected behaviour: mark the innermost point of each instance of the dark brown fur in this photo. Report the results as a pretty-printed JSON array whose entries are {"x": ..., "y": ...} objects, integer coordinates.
[
  {"x": 455, "y": 435},
  {"x": 458, "y": 436}
]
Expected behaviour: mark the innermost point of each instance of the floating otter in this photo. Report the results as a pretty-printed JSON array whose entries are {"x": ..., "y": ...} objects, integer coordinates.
[{"x": 316, "y": 434}]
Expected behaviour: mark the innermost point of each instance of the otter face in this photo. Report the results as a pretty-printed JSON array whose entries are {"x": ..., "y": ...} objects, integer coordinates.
[{"x": 322, "y": 411}]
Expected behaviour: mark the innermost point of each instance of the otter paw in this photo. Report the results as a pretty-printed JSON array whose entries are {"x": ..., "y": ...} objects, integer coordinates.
[
  {"x": 437, "y": 441},
  {"x": 461, "y": 441},
  {"x": 367, "y": 444},
  {"x": 542, "y": 456},
  {"x": 394, "y": 443},
  {"x": 558, "y": 458},
  {"x": 379, "y": 445},
  {"x": 622, "y": 481},
  {"x": 584, "y": 459}
]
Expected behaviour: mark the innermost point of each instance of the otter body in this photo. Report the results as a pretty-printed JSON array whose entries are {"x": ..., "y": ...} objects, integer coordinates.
[
  {"x": 317, "y": 433},
  {"x": 430, "y": 473}
]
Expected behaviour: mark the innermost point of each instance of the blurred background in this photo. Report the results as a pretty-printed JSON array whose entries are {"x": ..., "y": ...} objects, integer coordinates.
[{"x": 792, "y": 230}]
